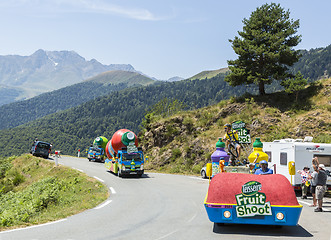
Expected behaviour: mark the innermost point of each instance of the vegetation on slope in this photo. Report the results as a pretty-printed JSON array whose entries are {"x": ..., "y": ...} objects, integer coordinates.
[
  {"x": 34, "y": 191},
  {"x": 76, "y": 128},
  {"x": 184, "y": 142},
  {"x": 18, "y": 113}
]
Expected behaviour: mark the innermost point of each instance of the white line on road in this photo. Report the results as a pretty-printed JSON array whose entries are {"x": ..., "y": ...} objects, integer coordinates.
[
  {"x": 303, "y": 202},
  {"x": 103, "y": 205},
  {"x": 112, "y": 190},
  {"x": 99, "y": 179},
  {"x": 41, "y": 225},
  {"x": 78, "y": 169},
  {"x": 167, "y": 235},
  {"x": 324, "y": 209}
]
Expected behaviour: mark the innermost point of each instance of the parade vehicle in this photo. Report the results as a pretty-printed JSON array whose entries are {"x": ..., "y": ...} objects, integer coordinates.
[
  {"x": 124, "y": 157},
  {"x": 297, "y": 154},
  {"x": 41, "y": 149},
  {"x": 97, "y": 150},
  {"x": 240, "y": 198},
  {"x": 95, "y": 153}
]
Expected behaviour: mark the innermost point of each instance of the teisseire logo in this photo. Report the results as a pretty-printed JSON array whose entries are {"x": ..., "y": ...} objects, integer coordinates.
[{"x": 251, "y": 202}]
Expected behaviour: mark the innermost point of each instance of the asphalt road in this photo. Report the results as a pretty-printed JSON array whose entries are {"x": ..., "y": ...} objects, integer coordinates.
[{"x": 162, "y": 206}]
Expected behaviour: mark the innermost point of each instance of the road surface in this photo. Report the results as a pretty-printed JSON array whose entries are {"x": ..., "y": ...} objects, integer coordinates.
[{"x": 161, "y": 206}]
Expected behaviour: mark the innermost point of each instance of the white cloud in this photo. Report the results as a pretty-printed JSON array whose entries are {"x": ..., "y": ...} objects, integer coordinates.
[{"x": 91, "y": 6}]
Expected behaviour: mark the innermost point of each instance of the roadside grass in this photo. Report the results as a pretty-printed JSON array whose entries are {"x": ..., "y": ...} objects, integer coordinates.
[{"x": 35, "y": 191}]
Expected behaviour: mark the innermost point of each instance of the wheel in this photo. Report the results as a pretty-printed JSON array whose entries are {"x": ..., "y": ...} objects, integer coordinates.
[
  {"x": 233, "y": 150},
  {"x": 203, "y": 174}
]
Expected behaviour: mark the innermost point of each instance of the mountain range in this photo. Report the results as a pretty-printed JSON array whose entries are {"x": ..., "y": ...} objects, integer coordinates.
[
  {"x": 23, "y": 77},
  {"x": 119, "y": 99},
  {"x": 20, "y": 112}
]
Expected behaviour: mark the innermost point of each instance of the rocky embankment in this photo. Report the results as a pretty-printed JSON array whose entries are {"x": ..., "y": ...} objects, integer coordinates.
[{"x": 184, "y": 142}]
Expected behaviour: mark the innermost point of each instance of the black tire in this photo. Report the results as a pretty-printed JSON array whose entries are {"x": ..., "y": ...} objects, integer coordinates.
[
  {"x": 233, "y": 150},
  {"x": 203, "y": 174}
]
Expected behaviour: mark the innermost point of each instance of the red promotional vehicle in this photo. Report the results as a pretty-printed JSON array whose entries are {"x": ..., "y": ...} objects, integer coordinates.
[{"x": 242, "y": 198}]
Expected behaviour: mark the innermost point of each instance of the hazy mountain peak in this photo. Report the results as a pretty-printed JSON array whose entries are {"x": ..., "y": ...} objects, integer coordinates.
[{"x": 45, "y": 71}]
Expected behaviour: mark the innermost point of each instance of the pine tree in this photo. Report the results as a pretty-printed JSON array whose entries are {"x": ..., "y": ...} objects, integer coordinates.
[
  {"x": 264, "y": 48},
  {"x": 294, "y": 85}
]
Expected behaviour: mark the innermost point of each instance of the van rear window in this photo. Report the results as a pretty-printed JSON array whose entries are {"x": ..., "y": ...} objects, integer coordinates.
[{"x": 44, "y": 145}]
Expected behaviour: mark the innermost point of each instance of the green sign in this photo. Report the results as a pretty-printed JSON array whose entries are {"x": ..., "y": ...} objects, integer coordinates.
[
  {"x": 251, "y": 202},
  {"x": 243, "y": 133}
]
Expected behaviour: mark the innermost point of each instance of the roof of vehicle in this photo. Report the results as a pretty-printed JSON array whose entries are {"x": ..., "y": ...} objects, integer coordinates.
[
  {"x": 42, "y": 143},
  {"x": 225, "y": 186}
]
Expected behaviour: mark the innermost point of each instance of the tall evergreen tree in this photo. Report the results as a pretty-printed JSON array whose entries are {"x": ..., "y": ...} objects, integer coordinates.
[{"x": 264, "y": 48}]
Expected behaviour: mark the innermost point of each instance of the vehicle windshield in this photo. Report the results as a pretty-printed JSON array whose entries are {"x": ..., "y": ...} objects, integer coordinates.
[
  {"x": 130, "y": 156},
  {"x": 43, "y": 145}
]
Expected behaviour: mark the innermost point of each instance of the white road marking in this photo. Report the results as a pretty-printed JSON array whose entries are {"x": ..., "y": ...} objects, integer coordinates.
[
  {"x": 324, "y": 209},
  {"x": 78, "y": 169},
  {"x": 103, "y": 205},
  {"x": 41, "y": 225},
  {"x": 112, "y": 190},
  {"x": 167, "y": 235},
  {"x": 99, "y": 179},
  {"x": 304, "y": 202}
]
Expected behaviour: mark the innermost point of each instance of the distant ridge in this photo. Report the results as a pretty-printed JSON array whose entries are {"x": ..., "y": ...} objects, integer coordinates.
[
  {"x": 209, "y": 74},
  {"x": 119, "y": 76},
  {"x": 43, "y": 71},
  {"x": 18, "y": 113}
]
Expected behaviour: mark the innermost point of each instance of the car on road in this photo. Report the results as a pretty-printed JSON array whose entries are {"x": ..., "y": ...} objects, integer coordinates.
[
  {"x": 41, "y": 149},
  {"x": 203, "y": 172}
]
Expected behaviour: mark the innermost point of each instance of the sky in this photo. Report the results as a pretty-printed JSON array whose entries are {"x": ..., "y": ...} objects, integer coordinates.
[{"x": 161, "y": 38}]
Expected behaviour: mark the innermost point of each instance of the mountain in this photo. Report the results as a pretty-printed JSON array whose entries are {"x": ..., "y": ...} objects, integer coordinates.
[
  {"x": 43, "y": 71},
  {"x": 175, "y": 79},
  {"x": 209, "y": 74},
  {"x": 76, "y": 127},
  {"x": 20, "y": 112},
  {"x": 123, "y": 77},
  {"x": 314, "y": 63}
]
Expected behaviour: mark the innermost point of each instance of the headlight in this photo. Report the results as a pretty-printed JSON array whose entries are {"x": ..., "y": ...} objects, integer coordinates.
[
  {"x": 123, "y": 167},
  {"x": 227, "y": 214},
  {"x": 280, "y": 216},
  {"x": 142, "y": 167}
]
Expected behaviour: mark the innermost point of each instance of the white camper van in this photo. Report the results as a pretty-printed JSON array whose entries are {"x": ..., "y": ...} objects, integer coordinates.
[{"x": 301, "y": 152}]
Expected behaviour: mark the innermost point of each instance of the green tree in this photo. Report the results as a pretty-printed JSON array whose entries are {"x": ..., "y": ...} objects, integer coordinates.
[
  {"x": 264, "y": 48},
  {"x": 294, "y": 85}
]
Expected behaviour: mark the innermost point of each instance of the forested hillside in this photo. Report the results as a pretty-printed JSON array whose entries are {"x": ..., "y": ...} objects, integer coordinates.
[
  {"x": 315, "y": 63},
  {"x": 77, "y": 127},
  {"x": 184, "y": 142},
  {"x": 18, "y": 113}
]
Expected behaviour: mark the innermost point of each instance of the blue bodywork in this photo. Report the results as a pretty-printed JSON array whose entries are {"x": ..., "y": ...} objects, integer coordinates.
[{"x": 291, "y": 215}]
